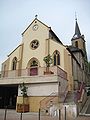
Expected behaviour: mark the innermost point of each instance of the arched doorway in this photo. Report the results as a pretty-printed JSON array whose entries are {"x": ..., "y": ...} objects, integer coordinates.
[{"x": 33, "y": 66}]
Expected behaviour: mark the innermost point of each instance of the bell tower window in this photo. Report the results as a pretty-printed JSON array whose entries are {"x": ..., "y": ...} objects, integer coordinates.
[{"x": 76, "y": 43}]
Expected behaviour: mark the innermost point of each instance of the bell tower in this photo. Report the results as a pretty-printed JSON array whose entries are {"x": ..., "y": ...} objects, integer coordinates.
[{"x": 78, "y": 40}]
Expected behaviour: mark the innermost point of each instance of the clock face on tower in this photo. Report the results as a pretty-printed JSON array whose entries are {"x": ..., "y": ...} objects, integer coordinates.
[
  {"x": 34, "y": 44},
  {"x": 35, "y": 27}
]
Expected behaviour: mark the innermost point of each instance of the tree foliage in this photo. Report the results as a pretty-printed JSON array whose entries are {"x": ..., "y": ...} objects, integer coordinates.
[
  {"x": 23, "y": 89},
  {"x": 89, "y": 65},
  {"x": 48, "y": 60}
]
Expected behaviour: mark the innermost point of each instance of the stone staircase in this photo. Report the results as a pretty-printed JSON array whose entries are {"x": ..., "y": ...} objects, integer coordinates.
[
  {"x": 70, "y": 97},
  {"x": 51, "y": 101},
  {"x": 86, "y": 109},
  {"x": 47, "y": 102}
]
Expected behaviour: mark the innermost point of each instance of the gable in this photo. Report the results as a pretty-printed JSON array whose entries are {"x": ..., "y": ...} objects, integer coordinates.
[
  {"x": 34, "y": 22},
  {"x": 35, "y": 34},
  {"x": 36, "y": 28}
]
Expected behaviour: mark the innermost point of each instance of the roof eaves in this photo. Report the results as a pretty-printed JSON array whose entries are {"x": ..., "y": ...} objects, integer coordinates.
[
  {"x": 58, "y": 40},
  {"x": 75, "y": 49},
  {"x": 14, "y": 50}
]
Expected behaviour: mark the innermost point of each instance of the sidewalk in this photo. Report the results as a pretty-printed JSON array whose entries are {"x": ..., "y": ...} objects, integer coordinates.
[
  {"x": 13, "y": 115},
  {"x": 83, "y": 118}
]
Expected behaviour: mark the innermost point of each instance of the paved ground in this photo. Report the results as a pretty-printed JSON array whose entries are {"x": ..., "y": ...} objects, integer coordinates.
[
  {"x": 83, "y": 118},
  {"x": 13, "y": 115}
]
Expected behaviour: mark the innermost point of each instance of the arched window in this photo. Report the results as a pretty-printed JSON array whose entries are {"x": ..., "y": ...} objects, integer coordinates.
[
  {"x": 34, "y": 63},
  {"x": 4, "y": 71},
  {"x": 33, "y": 66},
  {"x": 56, "y": 58},
  {"x": 14, "y": 63},
  {"x": 84, "y": 45},
  {"x": 76, "y": 43}
]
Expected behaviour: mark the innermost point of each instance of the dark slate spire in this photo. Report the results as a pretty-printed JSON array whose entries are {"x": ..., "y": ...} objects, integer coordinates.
[{"x": 77, "y": 31}]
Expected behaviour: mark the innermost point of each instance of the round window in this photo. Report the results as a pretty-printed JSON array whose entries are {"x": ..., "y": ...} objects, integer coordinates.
[{"x": 34, "y": 44}]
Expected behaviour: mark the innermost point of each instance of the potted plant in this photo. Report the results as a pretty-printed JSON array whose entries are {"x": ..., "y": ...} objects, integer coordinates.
[
  {"x": 48, "y": 60},
  {"x": 22, "y": 101}
]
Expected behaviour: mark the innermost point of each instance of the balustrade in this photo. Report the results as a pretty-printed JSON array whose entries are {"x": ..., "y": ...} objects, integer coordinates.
[{"x": 34, "y": 71}]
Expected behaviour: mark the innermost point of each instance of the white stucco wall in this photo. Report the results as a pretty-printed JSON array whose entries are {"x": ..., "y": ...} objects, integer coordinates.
[{"x": 41, "y": 89}]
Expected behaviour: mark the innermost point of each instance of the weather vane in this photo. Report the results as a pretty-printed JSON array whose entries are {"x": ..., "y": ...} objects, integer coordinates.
[{"x": 36, "y": 16}]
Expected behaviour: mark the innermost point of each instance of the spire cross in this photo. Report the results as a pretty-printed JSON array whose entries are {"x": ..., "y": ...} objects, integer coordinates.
[
  {"x": 36, "y": 16},
  {"x": 75, "y": 16}
]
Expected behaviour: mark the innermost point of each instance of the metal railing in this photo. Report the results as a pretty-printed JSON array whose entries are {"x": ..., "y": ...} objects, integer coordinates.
[
  {"x": 80, "y": 91},
  {"x": 53, "y": 98},
  {"x": 44, "y": 102}
]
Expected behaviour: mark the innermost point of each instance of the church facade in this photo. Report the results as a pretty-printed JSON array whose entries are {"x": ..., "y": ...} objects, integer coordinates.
[{"x": 67, "y": 74}]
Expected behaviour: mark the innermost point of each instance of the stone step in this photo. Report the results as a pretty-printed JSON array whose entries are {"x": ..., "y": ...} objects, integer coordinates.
[
  {"x": 70, "y": 97},
  {"x": 86, "y": 108}
]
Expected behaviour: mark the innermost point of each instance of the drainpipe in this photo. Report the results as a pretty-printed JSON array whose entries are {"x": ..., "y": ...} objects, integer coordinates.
[{"x": 59, "y": 91}]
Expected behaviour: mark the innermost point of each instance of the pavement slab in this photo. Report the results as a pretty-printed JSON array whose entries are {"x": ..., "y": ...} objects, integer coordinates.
[{"x": 13, "y": 115}]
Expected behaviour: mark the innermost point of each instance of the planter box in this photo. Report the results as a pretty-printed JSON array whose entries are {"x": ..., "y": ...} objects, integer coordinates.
[
  {"x": 22, "y": 104},
  {"x": 48, "y": 72},
  {"x": 22, "y": 108}
]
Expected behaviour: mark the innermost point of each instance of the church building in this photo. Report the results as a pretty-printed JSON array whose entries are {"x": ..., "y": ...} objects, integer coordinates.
[{"x": 50, "y": 71}]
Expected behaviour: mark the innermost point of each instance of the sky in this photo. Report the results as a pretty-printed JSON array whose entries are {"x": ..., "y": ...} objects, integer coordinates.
[{"x": 16, "y": 15}]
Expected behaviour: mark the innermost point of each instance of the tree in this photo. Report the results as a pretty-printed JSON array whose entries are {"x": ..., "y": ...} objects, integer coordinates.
[
  {"x": 24, "y": 106},
  {"x": 23, "y": 89},
  {"x": 89, "y": 66},
  {"x": 48, "y": 60}
]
